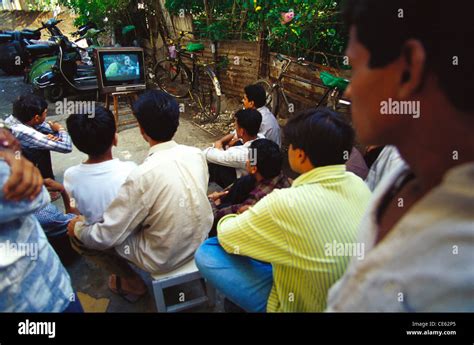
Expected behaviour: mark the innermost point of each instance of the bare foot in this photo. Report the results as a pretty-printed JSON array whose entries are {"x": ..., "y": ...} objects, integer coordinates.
[{"x": 133, "y": 286}]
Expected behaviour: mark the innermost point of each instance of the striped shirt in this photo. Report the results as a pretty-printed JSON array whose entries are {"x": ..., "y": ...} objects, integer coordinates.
[
  {"x": 294, "y": 229},
  {"x": 37, "y": 138},
  {"x": 32, "y": 278}
]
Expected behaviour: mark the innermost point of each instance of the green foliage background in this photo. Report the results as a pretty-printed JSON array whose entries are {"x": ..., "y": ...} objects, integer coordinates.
[{"x": 316, "y": 27}]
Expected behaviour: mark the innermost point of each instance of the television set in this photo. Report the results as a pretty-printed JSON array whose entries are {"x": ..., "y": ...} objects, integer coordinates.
[{"x": 120, "y": 69}]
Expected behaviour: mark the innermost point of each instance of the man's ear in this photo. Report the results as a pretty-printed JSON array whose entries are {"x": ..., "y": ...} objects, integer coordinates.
[
  {"x": 414, "y": 61},
  {"x": 115, "y": 141},
  {"x": 301, "y": 156},
  {"x": 253, "y": 169}
]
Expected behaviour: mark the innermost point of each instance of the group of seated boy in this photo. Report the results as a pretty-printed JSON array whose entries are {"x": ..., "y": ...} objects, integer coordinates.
[{"x": 262, "y": 232}]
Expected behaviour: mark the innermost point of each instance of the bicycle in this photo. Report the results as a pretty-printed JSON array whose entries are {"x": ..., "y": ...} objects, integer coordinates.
[
  {"x": 200, "y": 82},
  {"x": 334, "y": 86}
]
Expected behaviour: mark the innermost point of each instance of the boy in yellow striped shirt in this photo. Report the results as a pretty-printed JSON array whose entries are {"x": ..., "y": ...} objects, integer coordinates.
[{"x": 284, "y": 253}]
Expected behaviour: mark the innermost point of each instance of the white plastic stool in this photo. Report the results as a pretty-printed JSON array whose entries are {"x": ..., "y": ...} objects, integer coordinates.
[{"x": 186, "y": 273}]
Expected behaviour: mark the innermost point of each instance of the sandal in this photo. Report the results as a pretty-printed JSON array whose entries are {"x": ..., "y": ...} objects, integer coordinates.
[{"x": 128, "y": 296}]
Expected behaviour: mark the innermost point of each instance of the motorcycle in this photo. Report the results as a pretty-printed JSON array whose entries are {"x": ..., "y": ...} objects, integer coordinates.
[
  {"x": 66, "y": 75},
  {"x": 12, "y": 49},
  {"x": 43, "y": 56}
]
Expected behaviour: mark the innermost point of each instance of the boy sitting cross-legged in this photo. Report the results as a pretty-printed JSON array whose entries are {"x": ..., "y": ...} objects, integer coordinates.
[
  {"x": 274, "y": 256},
  {"x": 36, "y": 136},
  {"x": 161, "y": 213},
  {"x": 226, "y": 164},
  {"x": 264, "y": 175},
  {"x": 95, "y": 183}
]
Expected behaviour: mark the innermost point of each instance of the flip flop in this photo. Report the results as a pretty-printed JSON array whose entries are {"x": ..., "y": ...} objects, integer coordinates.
[{"x": 128, "y": 296}]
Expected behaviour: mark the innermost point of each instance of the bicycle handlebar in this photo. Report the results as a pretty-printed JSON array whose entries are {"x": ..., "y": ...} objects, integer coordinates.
[{"x": 300, "y": 61}]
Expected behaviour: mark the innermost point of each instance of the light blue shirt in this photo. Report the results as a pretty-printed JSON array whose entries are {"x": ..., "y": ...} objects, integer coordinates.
[
  {"x": 32, "y": 278},
  {"x": 270, "y": 128}
]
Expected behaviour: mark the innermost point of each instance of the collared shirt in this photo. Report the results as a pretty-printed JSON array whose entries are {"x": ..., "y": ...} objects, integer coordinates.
[
  {"x": 294, "y": 229},
  {"x": 262, "y": 188},
  {"x": 356, "y": 164},
  {"x": 161, "y": 214},
  {"x": 32, "y": 278},
  {"x": 270, "y": 128},
  {"x": 388, "y": 160},
  {"x": 234, "y": 156},
  {"x": 36, "y": 138},
  {"x": 425, "y": 263}
]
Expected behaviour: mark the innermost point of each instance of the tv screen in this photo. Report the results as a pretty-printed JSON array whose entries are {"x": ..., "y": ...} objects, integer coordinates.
[{"x": 120, "y": 67}]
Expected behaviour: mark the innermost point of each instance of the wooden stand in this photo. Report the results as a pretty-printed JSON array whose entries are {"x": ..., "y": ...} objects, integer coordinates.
[{"x": 131, "y": 96}]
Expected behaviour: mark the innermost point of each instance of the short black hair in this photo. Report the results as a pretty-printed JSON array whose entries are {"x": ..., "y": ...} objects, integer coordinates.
[
  {"x": 250, "y": 120},
  {"x": 27, "y": 106},
  {"x": 324, "y": 135},
  {"x": 257, "y": 94},
  {"x": 92, "y": 134},
  {"x": 158, "y": 114},
  {"x": 268, "y": 157},
  {"x": 383, "y": 27}
]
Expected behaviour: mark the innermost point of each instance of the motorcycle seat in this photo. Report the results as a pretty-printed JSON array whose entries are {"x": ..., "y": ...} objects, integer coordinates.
[
  {"x": 30, "y": 35},
  {"x": 41, "y": 49}
]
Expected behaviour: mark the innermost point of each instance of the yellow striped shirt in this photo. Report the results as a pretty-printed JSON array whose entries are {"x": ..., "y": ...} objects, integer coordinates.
[{"x": 291, "y": 229}]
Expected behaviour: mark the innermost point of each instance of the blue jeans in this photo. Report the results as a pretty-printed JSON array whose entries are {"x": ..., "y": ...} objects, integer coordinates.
[{"x": 244, "y": 281}]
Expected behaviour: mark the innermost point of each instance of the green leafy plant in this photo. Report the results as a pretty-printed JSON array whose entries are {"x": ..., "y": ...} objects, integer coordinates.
[{"x": 316, "y": 27}]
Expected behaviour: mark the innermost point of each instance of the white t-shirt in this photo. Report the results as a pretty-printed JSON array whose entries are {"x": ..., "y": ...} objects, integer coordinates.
[{"x": 95, "y": 186}]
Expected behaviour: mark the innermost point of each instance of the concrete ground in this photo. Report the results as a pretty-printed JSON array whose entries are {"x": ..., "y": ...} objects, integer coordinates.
[{"x": 89, "y": 280}]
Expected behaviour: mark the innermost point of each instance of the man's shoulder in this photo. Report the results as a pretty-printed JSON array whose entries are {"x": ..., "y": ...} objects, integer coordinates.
[
  {"x": 181, "y": 153},
  {"x": 265, "y": 111},
  {"x": 126, "y": 165},
  {"x": 16, "y": 126},
  {"x": 187, "y": 149},
  {"x": 71, "y": 171}
]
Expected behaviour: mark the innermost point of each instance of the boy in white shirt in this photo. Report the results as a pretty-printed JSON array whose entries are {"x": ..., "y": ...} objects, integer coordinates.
[
  {"x": 255, "y": 97},
  {"x": 228, "y": 164},
  {"x": 95, "y": 183}
]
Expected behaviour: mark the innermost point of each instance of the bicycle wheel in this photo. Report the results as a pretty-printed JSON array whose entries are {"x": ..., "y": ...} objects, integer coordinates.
[
  {"x": 272, "y": 102},
  {"x": 207, "y": 95},
  {"x": 171, "y": 77}
]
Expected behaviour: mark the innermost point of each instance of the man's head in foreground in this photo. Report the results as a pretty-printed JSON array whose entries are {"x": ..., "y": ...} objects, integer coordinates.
[
  {"x": 317, "y": 138},
  {"x": 157, "y": 114},
  {"x": 411, "y": 69}
]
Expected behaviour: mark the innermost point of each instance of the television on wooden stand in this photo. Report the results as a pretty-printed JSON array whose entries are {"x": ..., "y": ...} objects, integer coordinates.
[{"x": 120, "y": 69}]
